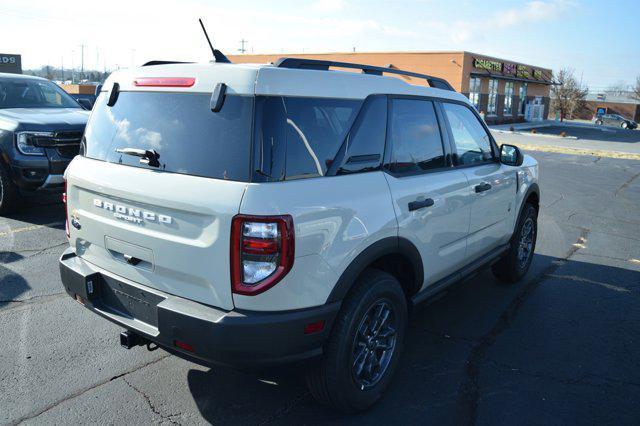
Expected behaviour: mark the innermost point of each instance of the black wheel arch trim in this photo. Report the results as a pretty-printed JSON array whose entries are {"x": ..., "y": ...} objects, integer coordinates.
[
  {"x": 383, "y": 247},
  {"x": 533, "y": 189}
]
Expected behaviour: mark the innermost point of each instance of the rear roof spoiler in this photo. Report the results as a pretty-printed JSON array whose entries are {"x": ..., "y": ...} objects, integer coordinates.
[{"x": 322, "y": 65}]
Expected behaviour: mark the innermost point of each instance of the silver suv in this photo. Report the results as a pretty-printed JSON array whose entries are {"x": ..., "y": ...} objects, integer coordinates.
[{"x": 251, "y": 215}]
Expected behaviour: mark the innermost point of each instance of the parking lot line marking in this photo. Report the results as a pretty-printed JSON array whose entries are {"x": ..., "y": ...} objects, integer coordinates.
[
  {"x": 29, "y": 228},
  {"x": 634, "y": 260}
]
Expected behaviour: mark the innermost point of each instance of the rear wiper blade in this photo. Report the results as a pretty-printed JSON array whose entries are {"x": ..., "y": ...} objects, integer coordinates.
[{"x": 147, "y": 156}]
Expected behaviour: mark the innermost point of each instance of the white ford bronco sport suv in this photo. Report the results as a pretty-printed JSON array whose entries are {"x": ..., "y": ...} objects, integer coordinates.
[{"x": 250, "y": 215}]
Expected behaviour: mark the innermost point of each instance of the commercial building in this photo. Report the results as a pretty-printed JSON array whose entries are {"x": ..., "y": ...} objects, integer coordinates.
[
  {"x": 503, "y": 91},
  {"x": 603, "y": 103}
]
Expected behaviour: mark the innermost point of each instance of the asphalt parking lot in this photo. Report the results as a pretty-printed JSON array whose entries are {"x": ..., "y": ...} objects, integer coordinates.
[
  {"x": 560, "y": 347},
  {"x": 594, "y": 133}
]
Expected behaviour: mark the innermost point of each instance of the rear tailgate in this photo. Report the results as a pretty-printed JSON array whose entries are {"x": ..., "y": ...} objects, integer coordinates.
[{"x": 173, "y": 228}]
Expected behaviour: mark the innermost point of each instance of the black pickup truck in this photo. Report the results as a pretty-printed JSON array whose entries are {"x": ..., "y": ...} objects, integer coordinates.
[{"x": 41, "y": 128}]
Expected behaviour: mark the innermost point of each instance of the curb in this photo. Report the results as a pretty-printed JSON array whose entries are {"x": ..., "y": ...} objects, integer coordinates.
[
  {"x": 545, "y": 135},
  {"x": 581, "y": 151}
]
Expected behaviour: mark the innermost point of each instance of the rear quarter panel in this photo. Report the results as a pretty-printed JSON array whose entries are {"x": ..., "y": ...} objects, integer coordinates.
[{"x": 335, "y": 218}]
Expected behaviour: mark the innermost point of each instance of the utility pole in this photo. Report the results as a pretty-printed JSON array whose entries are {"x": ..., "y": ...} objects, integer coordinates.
[
  {"x": 82, "y": 46},
  {"x": 242, "y": 49}
]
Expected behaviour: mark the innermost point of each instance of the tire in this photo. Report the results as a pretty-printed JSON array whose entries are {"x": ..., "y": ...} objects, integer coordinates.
[
  {"x": 598, "y": 123},
  {"x": 9, "y": 195},
  {"x": 335, "y": 381},
  {"x": 515, "y": 263},
  {"x": 624, "y": 125}
]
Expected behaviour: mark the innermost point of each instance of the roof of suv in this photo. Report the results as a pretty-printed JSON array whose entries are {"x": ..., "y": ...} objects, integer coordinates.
[{"x": 267, "y": 79}]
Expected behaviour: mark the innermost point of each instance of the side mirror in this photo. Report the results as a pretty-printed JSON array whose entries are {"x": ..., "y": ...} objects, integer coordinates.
[
  {"x": 85, "y": 103},
  {"x": 511, "y": 155}
]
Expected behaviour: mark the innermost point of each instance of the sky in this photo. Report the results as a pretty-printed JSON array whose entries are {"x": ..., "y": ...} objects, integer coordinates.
[{"x": 597, "y": 39}]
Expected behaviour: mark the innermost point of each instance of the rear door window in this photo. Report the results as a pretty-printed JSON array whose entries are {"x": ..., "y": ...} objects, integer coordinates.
[
  {"x": 298, "y": 138},
  {"x": 414, "y": 136},
  {"x": 190, "y": 138}
]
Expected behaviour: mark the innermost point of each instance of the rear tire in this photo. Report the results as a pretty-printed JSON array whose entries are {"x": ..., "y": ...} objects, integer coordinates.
[
  {"x": 9, "y": 195},
  {"x": 516, "y": 261},
  {"x": 624, "y": 125},
  {"x": 598, "y": 123},
  {"x": 364, "y": 347}
]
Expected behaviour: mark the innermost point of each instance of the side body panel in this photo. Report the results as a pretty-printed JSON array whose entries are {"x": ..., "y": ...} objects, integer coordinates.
[
  {"x": 492, "y": 210},
  {"x": 335, "y": 219},
  {"x": 440, "y": 231}
]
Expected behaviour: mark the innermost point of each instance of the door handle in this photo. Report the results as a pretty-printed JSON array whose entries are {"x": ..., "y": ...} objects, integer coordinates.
[
  {"x": 420, "y": 204},
  {"x": 484, "y": 186}
]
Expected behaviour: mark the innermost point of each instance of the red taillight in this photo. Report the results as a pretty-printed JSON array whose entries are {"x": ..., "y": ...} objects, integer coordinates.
[
  {"x": 262, "y": 252},
  {"x": 164, "y": 81},
  {"x": 66, "y": 210}
]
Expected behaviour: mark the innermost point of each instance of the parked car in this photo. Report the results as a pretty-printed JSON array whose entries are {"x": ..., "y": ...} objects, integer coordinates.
[
  {"x": 40, "y": 131},
  {"x": 251, "y": 215},
  {"x": 615, "y": 120}
]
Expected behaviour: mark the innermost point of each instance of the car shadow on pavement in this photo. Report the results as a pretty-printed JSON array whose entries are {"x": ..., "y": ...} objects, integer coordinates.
[
  {"x": 44, "y": 212},
  {"x": 450, "y": 342},
  {"x": 12, "y": 285}
]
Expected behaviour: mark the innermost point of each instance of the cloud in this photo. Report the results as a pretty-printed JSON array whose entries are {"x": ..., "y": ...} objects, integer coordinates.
[
  {"x": 532, "y": 12},
  {"x": 328, "y": 6}
]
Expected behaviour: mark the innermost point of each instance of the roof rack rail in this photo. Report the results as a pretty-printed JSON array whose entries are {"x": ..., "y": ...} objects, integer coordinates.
[
  {"x": 322, "y": 65},
  {"x": 164, "y": 63}
]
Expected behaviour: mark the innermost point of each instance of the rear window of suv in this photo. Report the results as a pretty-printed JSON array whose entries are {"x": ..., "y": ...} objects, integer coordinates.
[{"x": 190, "y": 138}]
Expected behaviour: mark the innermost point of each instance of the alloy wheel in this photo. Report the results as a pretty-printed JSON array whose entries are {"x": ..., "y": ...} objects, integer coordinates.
[
  {"x": 525, "y": 244},
  {"x": 374, "y": 344}
]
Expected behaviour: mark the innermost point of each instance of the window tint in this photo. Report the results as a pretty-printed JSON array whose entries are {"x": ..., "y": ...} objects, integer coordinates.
[
  {"x": 180, "y": 127},
  {"x": 26, "y": 93},
  {"x": 415, "y": 136},
  {"x": 471, "y": 140},
  {"x": 364, "y": 146},
  {"x": 315, "y": 131}
]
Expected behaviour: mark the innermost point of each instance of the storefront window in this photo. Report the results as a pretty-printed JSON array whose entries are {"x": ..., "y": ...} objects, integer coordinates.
[
  {"x": 474, "y": 92},
  {"x": 493, "y": 97},
  {"x": 523, "y": 98},
  {"x": 508, "y": 98}
]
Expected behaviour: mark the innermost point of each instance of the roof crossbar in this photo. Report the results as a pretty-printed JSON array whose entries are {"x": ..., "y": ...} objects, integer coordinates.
[{"x": 322, "y": 65}]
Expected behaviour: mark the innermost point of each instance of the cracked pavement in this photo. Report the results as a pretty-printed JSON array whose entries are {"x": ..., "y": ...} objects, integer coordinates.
[{"x": 559, "y": 347}]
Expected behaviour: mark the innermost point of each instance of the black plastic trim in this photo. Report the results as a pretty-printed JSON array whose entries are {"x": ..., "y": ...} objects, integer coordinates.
[
  {"x": 435, "y": 288},
  {"x": 322, "y": 65},
  {"x": 383, "y": 247},
  {"x": 236, "y": 338}
]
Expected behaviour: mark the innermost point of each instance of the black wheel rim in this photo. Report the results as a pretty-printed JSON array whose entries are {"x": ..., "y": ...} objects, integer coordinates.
[
  {"x": 525, "y": 245},
  {"x": 374, "y": 344}
]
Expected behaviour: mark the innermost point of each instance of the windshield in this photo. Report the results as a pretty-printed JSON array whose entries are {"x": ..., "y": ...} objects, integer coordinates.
[{"x": 25, "y": 93}]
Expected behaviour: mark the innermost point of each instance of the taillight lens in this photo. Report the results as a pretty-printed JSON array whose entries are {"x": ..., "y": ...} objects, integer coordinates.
[
  {"x": 66, "y": 210},
  {"x": 262, "y": 252}
]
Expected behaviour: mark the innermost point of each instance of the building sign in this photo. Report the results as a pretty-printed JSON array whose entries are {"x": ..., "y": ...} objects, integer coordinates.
[
  {"x": 523, "y": 72},
  {"x": 509, "y": 69},
  {"x": 10, "y": 63},
  {"x": 486, "y": 64}
]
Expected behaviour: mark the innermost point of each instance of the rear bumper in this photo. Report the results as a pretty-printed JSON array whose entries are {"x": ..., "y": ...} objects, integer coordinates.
[{"x": 235, "y": 338}]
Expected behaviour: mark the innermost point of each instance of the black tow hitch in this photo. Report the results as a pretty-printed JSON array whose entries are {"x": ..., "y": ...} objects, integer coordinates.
[{"x": 129, "y": 339}]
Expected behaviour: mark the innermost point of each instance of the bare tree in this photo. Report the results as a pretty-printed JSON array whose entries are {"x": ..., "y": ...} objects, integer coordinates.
[
  {"x": 617, "y": 89},
  {"x": 568, "y": 94},
  {"x": 636, "y": 89}
]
